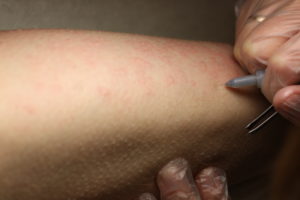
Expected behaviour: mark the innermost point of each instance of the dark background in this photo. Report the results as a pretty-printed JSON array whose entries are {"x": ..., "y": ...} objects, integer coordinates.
[{"x": 211, "y": 20}]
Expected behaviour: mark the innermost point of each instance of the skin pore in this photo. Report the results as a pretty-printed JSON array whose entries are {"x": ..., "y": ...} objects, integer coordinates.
[{"x": 95, "y": 115}]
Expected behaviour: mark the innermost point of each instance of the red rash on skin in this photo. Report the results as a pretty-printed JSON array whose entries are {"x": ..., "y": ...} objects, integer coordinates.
[
  {"x": 80, "y": 48},
  {"x": 170, "y": 80},
  {"x": 217, "y": 57},
  {"x": 56, "y": 87},
  {"x": 29, "y": 109},
  {"x": 120, "y": 72},
  {"x": 143, "y": 46},
  {"x": 143, "y": 77},
  {"x": 126, "y": 97},
  {"x": 147, "y": 48},
  {"x": 156, "y": 49},
  {"x": 194, "y": 83},
  {"x": 165, "y": 52},
  {"x": 39, "y": 86},
  {"x": 184, "y": 49},
  {"x": 89, "y": 41},
  {"x": 48, "y": 87},
  {"x": 104, "y": 92}
]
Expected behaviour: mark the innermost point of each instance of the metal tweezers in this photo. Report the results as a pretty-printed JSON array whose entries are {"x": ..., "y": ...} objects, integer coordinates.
[{"x": 259, "y": 122}]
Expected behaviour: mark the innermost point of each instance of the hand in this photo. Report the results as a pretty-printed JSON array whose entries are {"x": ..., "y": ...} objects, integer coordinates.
[
  {"x": 268, "y": 37},
  {"x": 176, "y": 182}
]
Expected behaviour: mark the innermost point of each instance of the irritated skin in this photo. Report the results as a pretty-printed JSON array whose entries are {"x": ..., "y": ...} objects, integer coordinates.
[{"x": 93, "y": 115}]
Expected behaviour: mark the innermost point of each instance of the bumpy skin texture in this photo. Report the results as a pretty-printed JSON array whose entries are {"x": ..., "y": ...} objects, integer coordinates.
[{"x": 93, "y": 115}]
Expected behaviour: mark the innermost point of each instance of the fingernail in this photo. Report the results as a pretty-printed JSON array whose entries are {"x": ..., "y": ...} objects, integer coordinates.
[
  {"x": 176, "y": 182},
  {"x": 175, "y": 170},
  {"x": 291, "y": 109},
  {"x": 212, "y": 184},
  {"x": 147, "y": 196}
]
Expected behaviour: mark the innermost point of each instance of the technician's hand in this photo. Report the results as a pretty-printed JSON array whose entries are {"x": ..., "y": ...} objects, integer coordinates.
[
  {"x": 268, "y": 36},
  {"x": 176, "y": 182}
]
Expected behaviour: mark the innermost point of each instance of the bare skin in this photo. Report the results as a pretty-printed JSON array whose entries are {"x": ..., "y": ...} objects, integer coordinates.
[{"x": 96, "y": 115}]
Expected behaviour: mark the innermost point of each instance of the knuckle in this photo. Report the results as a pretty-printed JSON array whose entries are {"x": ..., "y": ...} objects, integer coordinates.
[
  {"x": 249, "y": 49},
  {"x": 278, "y": 63},
  {"x": 250, "y": 55}
]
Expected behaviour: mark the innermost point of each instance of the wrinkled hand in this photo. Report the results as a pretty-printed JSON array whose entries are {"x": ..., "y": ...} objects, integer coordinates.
[
  {"x": 176, "y": 182},
  {"x": 272, "y": 43}
]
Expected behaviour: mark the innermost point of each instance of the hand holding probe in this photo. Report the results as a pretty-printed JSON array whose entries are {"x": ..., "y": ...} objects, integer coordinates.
[{"x": 254, "y": 80}]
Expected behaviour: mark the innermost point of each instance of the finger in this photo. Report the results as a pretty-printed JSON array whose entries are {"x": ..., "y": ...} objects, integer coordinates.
[
  {"x": 238, "y": 5},
  {"x": 147, "y": 196},
  {"x": 246, "y": 22},
  {"x": 248, "y": 9},
  {"x": 283, "y": 68},
  {"x": 287, "y": 102},
  {"x": 176, "y": 182},
  {"x": 212, "y": 184},
  {"x": 258, "y": 41}
]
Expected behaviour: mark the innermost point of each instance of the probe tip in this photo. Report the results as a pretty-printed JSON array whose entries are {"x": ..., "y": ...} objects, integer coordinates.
[{"x": 231, "y": 84}]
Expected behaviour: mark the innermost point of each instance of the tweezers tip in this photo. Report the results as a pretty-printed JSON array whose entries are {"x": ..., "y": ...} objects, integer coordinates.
[
  {"x": 251, "y": 132},
  {"x": 261, "y": 120},
  {"x": 248, "y": 126}
]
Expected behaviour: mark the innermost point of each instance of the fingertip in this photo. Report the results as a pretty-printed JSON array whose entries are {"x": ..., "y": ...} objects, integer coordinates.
[
  {"x": 175, "y": 181},
  {"x": 212, "y": 183},
  {"x": 173, "y": 170},
  {"x": 147, "y": 196},
  {"x": 208, "y": 175},
  {"x": 173, "y": 176},
  {"x": 281, "y": 96}
]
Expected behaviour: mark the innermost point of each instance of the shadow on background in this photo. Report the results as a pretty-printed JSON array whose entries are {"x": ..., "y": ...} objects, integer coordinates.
[{"x": 211, "y": 20}]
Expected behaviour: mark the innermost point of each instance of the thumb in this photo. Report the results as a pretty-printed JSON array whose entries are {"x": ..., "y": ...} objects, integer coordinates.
[{"x": 287, "y": 103}]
